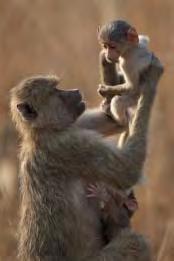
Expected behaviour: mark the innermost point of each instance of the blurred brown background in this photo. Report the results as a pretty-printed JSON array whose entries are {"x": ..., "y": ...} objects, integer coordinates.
[{"x": 59, "y": 36}]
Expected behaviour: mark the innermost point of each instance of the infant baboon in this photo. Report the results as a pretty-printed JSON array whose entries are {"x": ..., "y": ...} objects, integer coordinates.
[
  {"x": 121, "y": 44},
  {"x": 58, "y": 222},
  {"x": 117, "y": 208}
]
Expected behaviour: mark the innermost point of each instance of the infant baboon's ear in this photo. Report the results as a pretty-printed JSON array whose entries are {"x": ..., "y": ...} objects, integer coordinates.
[{"x": 27, "y": 111}]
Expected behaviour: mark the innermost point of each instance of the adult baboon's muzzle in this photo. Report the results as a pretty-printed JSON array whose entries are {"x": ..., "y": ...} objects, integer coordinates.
[{"x": 70, "y": 96}]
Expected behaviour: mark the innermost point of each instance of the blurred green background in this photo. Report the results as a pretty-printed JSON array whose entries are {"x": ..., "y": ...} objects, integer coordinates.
[{"x": 60, "y": 36}]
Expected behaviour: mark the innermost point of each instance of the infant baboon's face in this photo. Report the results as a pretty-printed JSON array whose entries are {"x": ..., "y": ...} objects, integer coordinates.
[
  {"x": 37, "y": 102},
  {"x": 111, "y": 50}
]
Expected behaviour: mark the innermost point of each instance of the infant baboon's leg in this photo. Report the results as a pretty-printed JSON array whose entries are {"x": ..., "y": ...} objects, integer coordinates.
[
  {"x": 121, "y": 112},
  {"x": 108, "y": 76},
  {"x": 119, "y": 105}
]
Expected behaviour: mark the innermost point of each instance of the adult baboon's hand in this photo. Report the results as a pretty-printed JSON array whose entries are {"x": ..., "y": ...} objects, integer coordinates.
[
  {"x": 153, "y": 72},
  {"x": 156, "y": 68},
  {"x": 152, "y": 75}
]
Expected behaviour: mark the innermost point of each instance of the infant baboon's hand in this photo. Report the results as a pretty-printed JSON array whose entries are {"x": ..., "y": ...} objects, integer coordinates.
[
  {"x": 97, "y": 191},
  {"x": 103, "y": 90}
]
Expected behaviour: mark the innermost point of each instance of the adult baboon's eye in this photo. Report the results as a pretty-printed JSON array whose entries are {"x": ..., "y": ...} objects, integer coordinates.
[{"x": 27, "y": 111}]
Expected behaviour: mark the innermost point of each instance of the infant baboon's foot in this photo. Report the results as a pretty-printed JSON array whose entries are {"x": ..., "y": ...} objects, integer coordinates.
[{"x": 119, "y": 111}]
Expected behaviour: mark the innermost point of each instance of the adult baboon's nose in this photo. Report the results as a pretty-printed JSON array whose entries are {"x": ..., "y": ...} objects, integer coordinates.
[{"x": 70, "y": 96}]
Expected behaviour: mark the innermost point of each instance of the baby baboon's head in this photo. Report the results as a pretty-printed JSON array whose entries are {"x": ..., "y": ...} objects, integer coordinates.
[{"x": 37, "y": 103}]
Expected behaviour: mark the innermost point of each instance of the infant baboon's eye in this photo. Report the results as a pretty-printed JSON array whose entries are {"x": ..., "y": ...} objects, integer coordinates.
[{"x": 27, "y": 111}]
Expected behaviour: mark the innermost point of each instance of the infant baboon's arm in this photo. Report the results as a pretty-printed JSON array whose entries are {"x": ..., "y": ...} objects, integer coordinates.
[{"x": 124, "y": 88}]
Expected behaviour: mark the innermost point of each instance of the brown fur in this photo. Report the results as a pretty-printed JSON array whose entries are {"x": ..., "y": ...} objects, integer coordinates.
[{"x": 57, "y": 160}]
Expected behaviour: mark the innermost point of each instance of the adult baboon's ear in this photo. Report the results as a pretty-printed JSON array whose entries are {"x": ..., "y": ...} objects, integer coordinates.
[{"x": 27, "y": 111}]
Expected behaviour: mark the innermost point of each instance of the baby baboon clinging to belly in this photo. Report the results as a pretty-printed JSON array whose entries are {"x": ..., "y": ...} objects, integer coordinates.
[
  {"x": 57, "y": 221},
  {"x": 116, "y": 208}
]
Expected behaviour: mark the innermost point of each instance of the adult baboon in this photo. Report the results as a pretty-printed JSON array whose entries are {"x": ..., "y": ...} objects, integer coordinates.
[{"x": 57, "y": 160}]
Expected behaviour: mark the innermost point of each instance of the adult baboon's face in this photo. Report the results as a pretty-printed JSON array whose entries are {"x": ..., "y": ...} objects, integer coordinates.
[{"x": 37, "y": 102}]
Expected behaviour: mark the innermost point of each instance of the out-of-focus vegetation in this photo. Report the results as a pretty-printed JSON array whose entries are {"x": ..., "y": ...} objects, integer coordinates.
[{"x": 59, "y": 36}]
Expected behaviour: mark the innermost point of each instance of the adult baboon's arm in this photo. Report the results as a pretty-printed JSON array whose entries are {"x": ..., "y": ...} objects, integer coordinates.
[
  {"x": 122, "y": 167},
  {"x": 96, "y": 119}
]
